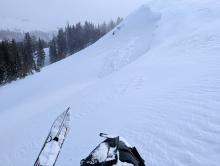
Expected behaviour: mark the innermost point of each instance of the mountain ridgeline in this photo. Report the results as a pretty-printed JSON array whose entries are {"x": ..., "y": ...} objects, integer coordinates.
[
  {"x": 20, "y": 58},
  {"x": 18, "y": 35},
  {"x": 74, "y": 38}
]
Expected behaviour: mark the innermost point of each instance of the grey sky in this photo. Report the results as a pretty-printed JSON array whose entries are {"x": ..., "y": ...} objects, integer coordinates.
[{"x": 50, "y": 14}]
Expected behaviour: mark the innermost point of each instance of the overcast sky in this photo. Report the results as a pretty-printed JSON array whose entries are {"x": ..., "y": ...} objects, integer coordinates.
[{"x": 51, "y": 14}]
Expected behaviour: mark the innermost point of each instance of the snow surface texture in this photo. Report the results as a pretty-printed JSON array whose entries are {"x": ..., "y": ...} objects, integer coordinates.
[{"x": 156, "y": 82}]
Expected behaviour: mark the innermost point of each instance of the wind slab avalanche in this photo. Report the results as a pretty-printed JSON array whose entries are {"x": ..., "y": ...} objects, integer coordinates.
[{"x": 156, "y": 82}]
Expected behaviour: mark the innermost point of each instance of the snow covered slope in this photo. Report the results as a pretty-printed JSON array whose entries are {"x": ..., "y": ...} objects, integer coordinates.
[{"x": 156, "y": 82}]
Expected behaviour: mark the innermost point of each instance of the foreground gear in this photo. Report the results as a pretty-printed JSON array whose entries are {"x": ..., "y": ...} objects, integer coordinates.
[
  {"x": 54, "y": 141},
  {"x": 113, "y": 151}
]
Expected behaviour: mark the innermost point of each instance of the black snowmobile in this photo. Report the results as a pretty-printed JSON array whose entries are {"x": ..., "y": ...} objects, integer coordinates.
[{"x": 113, "y": 151}]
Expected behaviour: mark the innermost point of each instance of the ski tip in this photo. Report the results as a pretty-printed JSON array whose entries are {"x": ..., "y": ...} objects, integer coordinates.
[
  {"x": 68, "y": 108},
  {"x": 68, "y": 111}
]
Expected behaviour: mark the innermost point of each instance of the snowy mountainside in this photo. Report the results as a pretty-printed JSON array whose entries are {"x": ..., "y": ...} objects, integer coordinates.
[
  {"x": 155, "y": 82},
  {"x": 127, "y": 40}
]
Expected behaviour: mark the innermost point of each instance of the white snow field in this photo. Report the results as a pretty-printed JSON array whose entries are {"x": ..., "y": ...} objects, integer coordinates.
[{"x": 156, "y": 83}]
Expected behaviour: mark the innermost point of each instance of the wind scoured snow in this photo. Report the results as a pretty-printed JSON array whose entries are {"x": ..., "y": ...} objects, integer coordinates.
[
  {"x": 128, "y": 38},
  {"x": 155, "y": 82}
]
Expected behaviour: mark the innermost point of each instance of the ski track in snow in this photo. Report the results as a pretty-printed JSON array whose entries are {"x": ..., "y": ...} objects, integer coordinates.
[{"x": 156, "y": 82}]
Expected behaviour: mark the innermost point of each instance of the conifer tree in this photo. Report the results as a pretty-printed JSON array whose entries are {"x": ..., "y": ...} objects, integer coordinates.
[
  {"x": 79, "y": 36},
  {"x": 6, "y": 64},
  {"x": 2, "y": 64},
  {"x": 14, "y": 61},
  {"x": 69, "y": 39},
  {"x": 111, "y": 25},
  {"x": 29, "y": 64},
  {"x": 40, "y": 55},
  {"x": 53, "y": 51},
  {"x": 119, "y": 20},
  {"x": 61, "y": 44}
]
